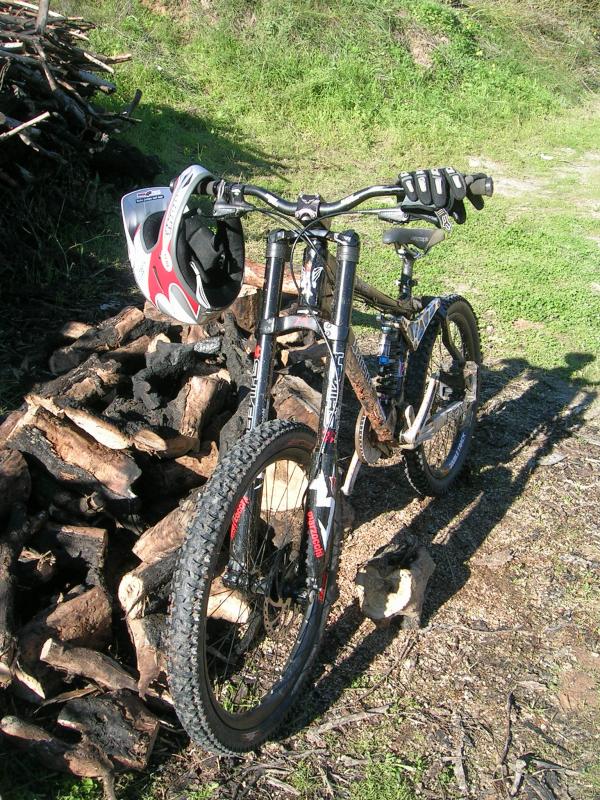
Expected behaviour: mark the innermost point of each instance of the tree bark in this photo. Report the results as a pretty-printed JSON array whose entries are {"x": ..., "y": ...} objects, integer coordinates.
[
  {"x": 119, "y": 725},
  {"x": 82, "y": 759},
  {"x": 168, "y": 534},
  {"x": 83, "y": 621},
  {"x": 294, "y": 399},
  {"x": 15, "y": 481},
  {"x": 145, "y": 583},
  {"x": 93, "y": 379},
  {"x": 148, "y": 637},
  {"x": 201, "y": 398},
  {"x": 108, "y": 335},
  {"x": 175, "y": 477},
  {"x": 76, "y": 547},
  {"x": 72, "y": 456},
  {"x": 17, "y": 532},
  {"x": 86, "y": 663}
]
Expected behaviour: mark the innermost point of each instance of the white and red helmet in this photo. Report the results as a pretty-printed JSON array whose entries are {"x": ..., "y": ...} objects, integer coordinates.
[{"x": 190, "y": 266}]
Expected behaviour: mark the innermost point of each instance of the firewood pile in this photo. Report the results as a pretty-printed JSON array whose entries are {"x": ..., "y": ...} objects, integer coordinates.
[
  {"x": 49, "y": 79},
  {"x": 99, "y": 474}
]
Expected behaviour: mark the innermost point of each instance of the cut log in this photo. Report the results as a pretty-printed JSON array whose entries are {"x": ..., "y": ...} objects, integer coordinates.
[
  {"x": 164, "y": 442},
  {"x": 72, "y": 456},
  {"x": 234, "y": 428},
  {"x": 9, "y": 424},
  {"x": 74, "y": 330},
  {"x": 393, "y": 582},
  {"x": 254, "y": 275},
  {"x": 294, "y": 399},
  {"x": 82, "y": 621},
  {"x": 200, "y": 399},
  {"x": 18, "y": 530},
  {"x": 310, "y": 352},
  {"x": 178, "y": 476},
  {"x": 86, "y": 663},
  {"x": 156, "y": 340},
  {"x": 239, "y": 363},
  {"x": 133, "y": 352},
  {"x": 168, "y": 534},
  {"x": 35, "y": 684},
  {"x": 246, "y": 308},
  {"x": 101, "y": 430},
  {"x": 119, "y": 725},
  {"x": 15, "y": 481},
  {"x": 83, "y": 759},
  {"x": 148, "y": 637},
  {"x": 93, "y": 379},
  {"x": 108, "y": 335},
  {"x": 76, "y": 547},
  {"x": 144, "y": 583},
  {"x": 227, "y": 604}
]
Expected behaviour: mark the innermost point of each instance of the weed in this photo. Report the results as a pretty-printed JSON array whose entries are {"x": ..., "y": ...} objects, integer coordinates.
[
  {"x": 388, "y": 778},
  {"x": 304, "y": 779}
]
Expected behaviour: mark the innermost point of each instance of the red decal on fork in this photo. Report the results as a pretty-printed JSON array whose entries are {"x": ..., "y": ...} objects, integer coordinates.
[
  {"x": 314, "y": 535},
  {"x": 323, "y": 589},
  {"x": 235, "y": 520}
]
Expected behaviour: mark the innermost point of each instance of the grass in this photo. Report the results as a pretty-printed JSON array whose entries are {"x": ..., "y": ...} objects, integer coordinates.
[
  {"x": 292, "y": 95},
  {"x": 388, "y": 778}
]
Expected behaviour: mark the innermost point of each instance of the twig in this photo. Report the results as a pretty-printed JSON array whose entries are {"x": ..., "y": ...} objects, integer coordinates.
[
  {"x": 19, "y": 128},
  {"x": 510, "y": 700},
  {"x": 284, "y": 787},
  {"x": 350, "y": 718},
  {"x": 457, "y": 759}
]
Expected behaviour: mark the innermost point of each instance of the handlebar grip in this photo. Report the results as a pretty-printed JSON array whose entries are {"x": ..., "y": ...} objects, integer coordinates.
[{"x": 482, "y": 185}]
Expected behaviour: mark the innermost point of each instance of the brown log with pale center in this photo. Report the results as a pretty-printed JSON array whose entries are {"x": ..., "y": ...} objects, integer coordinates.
[
  {"x": 294, "y": 399},
  {"x": 108, "y": 335},
  {"x": 85, "y": 620},
  {"x": 70, "y": 455},
  {"x": 86, "y": 663},
  {"x": 168, "y": 534}
]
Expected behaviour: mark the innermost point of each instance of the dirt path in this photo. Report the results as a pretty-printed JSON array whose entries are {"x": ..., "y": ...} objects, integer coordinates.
[{"x": 511, "y": 627}]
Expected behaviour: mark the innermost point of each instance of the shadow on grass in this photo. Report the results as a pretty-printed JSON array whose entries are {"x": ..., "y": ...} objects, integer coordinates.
[{"x": 531, "y": 422}]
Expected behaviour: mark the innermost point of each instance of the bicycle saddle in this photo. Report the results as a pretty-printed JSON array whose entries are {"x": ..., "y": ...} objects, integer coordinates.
[{"x": 421, "y": 238}]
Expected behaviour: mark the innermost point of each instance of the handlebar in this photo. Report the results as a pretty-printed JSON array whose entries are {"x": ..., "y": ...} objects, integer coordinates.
[{"x": 477, "y": 185}]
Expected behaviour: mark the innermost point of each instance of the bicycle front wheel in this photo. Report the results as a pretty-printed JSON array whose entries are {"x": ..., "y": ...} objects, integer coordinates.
[{"x": 239, "y": 656}]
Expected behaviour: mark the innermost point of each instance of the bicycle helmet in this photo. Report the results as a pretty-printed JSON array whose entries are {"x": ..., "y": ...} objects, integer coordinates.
[{"x": 190, "y": 266}]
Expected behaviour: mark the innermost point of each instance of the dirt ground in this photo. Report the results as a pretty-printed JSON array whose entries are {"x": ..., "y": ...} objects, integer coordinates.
[{"x": 496, "y": 695}]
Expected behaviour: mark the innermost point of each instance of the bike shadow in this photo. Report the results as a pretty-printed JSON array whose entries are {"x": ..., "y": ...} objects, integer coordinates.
[{"x": 526, "y": 412}]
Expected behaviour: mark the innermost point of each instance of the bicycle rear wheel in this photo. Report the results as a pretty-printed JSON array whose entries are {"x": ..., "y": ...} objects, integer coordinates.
[
  {"x": 433, "y": 467},
  {"x": 238, "y": 656}
]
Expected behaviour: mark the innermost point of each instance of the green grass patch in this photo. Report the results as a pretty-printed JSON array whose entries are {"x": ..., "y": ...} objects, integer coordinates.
[{"x": 388, "y": 778}]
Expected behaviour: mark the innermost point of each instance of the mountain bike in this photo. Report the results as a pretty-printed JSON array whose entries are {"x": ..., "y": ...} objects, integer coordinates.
[{"x": 257, "y": 574}]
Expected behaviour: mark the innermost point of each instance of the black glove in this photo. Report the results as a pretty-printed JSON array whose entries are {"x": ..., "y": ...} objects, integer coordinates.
[{"x": 438, "y": 188}]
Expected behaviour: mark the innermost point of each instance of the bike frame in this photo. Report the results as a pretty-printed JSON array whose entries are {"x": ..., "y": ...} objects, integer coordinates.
[{"x": 320, "y": 269}]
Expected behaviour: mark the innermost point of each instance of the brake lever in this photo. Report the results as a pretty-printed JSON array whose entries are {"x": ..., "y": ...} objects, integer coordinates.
[{"x": 224, "y": 210}]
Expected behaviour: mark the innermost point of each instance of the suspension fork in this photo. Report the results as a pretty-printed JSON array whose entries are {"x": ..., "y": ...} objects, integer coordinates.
[
  {"x": 322, "y": 495},
  {"x": 278, "y": 252}
]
